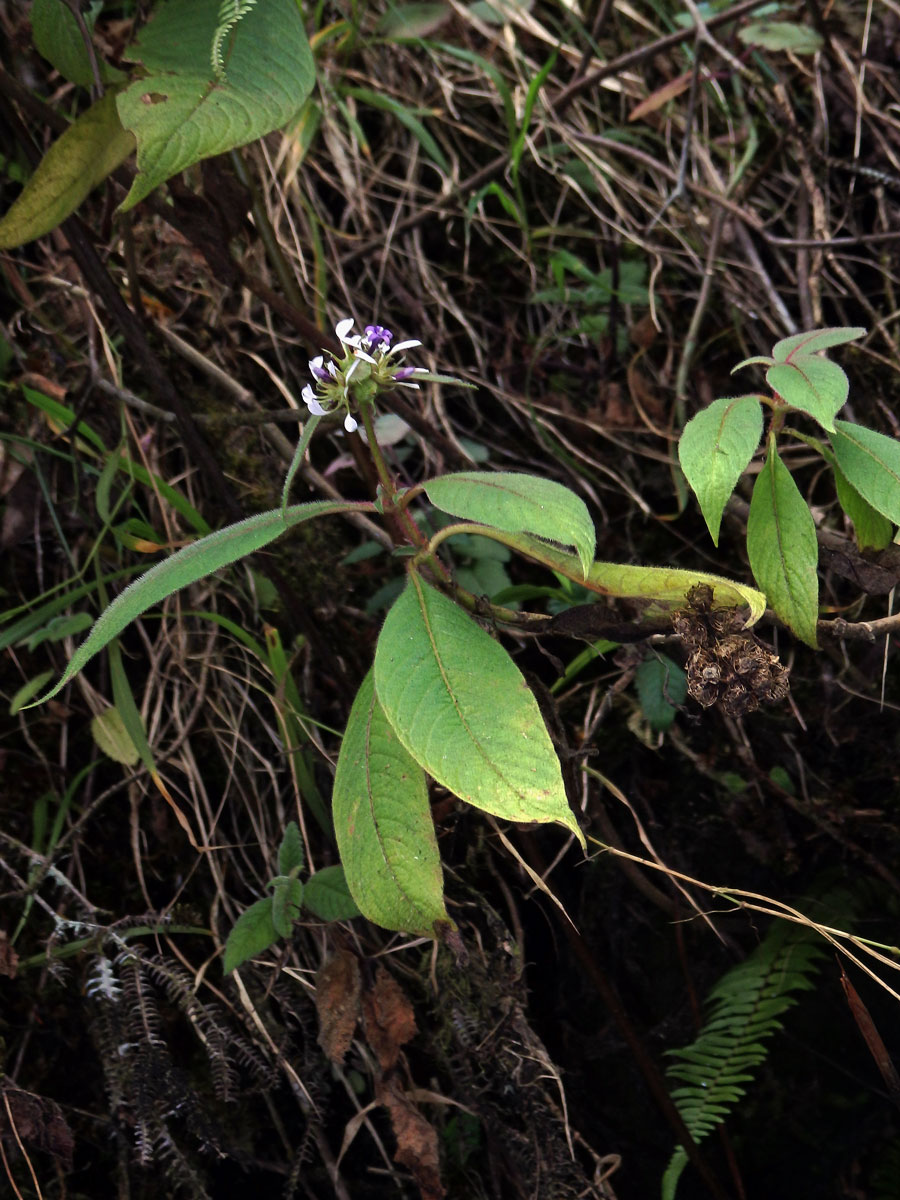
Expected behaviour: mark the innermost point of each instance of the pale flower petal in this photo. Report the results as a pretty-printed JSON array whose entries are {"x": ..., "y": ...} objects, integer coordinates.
[
  {"x": 351, "y": 424},
  {"x": 343, "y": 328},
  {"x": 309, "y": 399},
  {"x": 402, "y": 346}
]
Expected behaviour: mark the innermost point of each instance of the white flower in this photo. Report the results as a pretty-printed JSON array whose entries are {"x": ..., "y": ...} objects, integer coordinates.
[
  {"x": 342, "y": 330},
  {"x": 402, "y": 346},
  {"x": 309, "y": 399},
  {"x": 351, "y": 424}
]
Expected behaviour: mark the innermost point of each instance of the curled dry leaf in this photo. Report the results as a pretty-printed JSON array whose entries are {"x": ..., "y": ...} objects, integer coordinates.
[
  {"x": 338, "y": 989},
  {"x": 417, "y": 1140},
  {"x": 388, "y": 1018}
]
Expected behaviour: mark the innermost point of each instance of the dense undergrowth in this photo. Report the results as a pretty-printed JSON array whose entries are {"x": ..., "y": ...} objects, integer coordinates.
[{"x": 569, "y": 216}]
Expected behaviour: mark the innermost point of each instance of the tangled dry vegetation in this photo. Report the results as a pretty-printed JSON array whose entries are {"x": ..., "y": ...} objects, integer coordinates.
[{"x": 591, "y": 211}]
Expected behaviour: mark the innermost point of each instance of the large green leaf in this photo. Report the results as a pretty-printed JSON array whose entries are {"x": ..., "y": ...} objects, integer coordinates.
[
  {"x": 58, "y": 39},
  {"x": 812, "y": 384},
  {"x": 194, "y": 562},
  {"x": 181, "y": 111},
  {"x": 781, "y": 544},
  {"x": 82, "y": 157},
  {"x": 517, "y": 504},
  {"x": 871, "y": 462},
  {"x": 383, "y": 825},
  {"x": 715, "y": 448},
  {"x": 462, "y": 709},
  {"x": 659, "y": 589}
]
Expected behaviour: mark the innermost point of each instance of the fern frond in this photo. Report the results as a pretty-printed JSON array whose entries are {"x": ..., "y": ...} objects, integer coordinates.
[
  {"x": 230, "y": 13},
  {"x": 745, "y": 1006}
]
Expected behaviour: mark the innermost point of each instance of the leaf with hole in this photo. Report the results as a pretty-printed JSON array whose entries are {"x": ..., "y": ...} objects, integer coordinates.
[
  {"x": 518, "y": 504},
  {"x": 383, "y": 826},
  {"x": 871, "y": 463},
  {"x": 714, "y": 450},
  {"x": 462, "y": 709},
  {"x": 180, "y": 112},
  {"x": 782, "y": 547}
]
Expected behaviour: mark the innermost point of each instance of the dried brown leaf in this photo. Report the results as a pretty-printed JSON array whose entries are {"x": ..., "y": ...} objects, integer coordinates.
[
  {"x": 338, "y": 988},
  {"x": 388, "y": 1017}
]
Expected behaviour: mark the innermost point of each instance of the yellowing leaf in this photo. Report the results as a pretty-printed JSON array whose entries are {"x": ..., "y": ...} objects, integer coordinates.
[{"x": 91, "y": 148}]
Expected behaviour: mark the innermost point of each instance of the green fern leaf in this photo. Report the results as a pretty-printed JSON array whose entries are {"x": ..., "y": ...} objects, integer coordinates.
[
  {"x": 230, "y": 13},
  {"x": 744, "y": 1010}
]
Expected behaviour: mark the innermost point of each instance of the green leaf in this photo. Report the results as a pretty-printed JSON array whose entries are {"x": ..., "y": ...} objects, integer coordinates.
[
  {"x": 661, "y": 589},
  {"x": 871, "y": 462},
  {"x": 813, "y": 384},
  {"x": 27, "y": 690},
  {"x": 462, "y": 709},
  {"x": 714, "y": 450},
  {"x": 407, "y": 22},
  {"x": 253, "y": 933},
  {"x": 287, "y": 897},
  {"x": 180, "y": 112},
  {"x": 662, "y": 687},
  {"x": 383, "y": 825},
  {"x": 518, "y": 504},
  {"x": 58, "y": 628},
  {"x": 110, "y": 734},
  {"x": 290, "y": 852},
  {"x": 410, "y": 118},
  {"x": 194, "y": 562},
  {"x": 872, "y": 530},
  {"x": 327, "y": 895},
  {"x": 781, "y": 544},
  {"x": 781, "y": 35},
  {"x": 82, "y": 157},
  {"x": 58, "y": 39},
  {"x": 815, "y": 340}
]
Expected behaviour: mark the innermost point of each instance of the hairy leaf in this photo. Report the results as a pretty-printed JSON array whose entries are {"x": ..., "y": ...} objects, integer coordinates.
[
  {"x": 660, "y": 589},
  {"x": 517, "y": 504},
  {"x": 871, "y": 462},
  {"x": 815, "y": 340},
  {"x": 462, "y": 709},
  {"x": 873, "y": 531},
  {"x": 327, "y": 895},
  {"x": 812, "y": 384},
  {"x": 287, "y": 896},
  {"x": 194, "y": 562},
  {"x": 181, "y": 111},
  {"x": 82, "y": 157},
  {"x": 383, "y": 824},
  {"x": 253, "y": 933},
  {"x": 715, "y": 448},
  {"x": 290, "y": 852},
  {"x": 781, "y": 544}
]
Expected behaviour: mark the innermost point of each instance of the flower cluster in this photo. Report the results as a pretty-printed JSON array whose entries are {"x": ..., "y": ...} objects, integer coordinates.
[{"x": 364, "y": 369}]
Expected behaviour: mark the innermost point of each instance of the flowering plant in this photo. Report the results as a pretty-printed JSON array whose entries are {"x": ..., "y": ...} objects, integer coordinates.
[{"x": 444, "y": 700}]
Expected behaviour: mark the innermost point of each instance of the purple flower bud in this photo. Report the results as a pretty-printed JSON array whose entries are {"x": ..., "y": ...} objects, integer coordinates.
[
  {"x": 377, "y": 335},
  {"x": 403, "y": 373}
]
